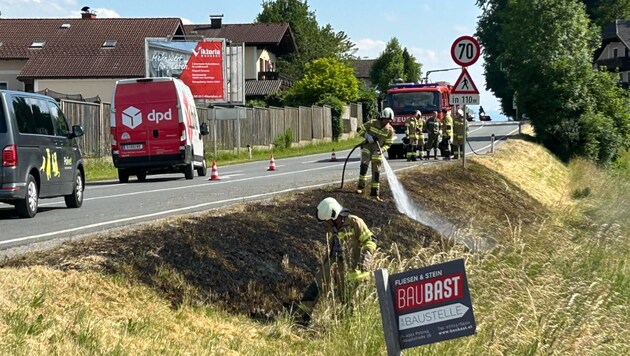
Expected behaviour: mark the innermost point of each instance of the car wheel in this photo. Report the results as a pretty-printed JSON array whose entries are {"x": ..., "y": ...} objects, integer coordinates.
[
  {"x": 123, "y": 176},
  {"x": 141, "y": 176},
  {"x": 27, "y": 208},
  {"x": 189, "y": 171},
  {"x": 203, "y": 170},
  {"x": 75, "y": 200}
]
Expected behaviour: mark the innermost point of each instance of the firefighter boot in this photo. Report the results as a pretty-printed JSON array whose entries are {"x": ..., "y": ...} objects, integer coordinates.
[
  {"x": 427, "y": 156},
  {"x": 362, "y": 178}
]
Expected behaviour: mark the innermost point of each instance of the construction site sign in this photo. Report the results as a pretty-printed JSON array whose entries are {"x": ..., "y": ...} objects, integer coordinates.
[{"x": 424, "y": 306}]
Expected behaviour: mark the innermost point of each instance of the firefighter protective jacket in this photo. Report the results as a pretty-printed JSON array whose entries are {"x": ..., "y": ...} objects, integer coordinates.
[
  {"x": 357, "y": 244},
  {"x": 384, "y": 136},
  {"x": 413, "y": 127}
]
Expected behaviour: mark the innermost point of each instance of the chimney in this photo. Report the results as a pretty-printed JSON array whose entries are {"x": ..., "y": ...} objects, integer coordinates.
[
  {"x": 86, "y": 14},
  {"x": 215, "y": 21}
]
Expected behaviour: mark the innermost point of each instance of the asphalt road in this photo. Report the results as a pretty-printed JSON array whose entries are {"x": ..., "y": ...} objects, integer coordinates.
[{"x": 110, "y": 205}]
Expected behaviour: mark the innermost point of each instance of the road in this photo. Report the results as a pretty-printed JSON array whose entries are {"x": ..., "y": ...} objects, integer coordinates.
[{"x": 110, "y": 205}]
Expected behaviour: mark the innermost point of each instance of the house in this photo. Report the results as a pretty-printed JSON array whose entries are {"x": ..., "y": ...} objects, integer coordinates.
[
  {"x": 614, "y": 52},
  {"x": 264, "y": 42},
  {"x": 84, "y": 57},
  {"x": 77, "y": 56},
  {"x": 362, "y": 68}
]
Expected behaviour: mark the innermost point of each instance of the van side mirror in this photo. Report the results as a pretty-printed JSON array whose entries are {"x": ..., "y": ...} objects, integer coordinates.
[
  {"x": 77, "y": 131},
  {"x": 203, "y": 128}
]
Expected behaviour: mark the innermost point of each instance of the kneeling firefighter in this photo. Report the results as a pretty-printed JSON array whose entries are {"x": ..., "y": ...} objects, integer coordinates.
[
  {"x": 350, "y": 245},
  {"x": 379, "y": 135}
]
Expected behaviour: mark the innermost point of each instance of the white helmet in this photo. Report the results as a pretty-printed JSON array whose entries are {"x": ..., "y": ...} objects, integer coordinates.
[
  {"x": 387, "y": 113},
  {"x": 328, "y": 209},
  {"x": 460, "y": 112}
]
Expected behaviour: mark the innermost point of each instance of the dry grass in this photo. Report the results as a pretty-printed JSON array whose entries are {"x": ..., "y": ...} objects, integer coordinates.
[{"x": 556, "y": 280}]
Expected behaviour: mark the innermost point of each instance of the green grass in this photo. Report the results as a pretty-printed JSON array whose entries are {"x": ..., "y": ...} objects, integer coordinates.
[{"x": 97, "y": 169}]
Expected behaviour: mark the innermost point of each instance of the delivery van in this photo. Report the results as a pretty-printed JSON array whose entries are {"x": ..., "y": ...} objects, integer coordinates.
[
  {"x": 155, "y": 129},
  {"x": 40, "y": 155}
]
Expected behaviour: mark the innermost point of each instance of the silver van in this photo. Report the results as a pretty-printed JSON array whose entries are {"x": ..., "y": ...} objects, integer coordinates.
[{"x": 40, "y": 156}]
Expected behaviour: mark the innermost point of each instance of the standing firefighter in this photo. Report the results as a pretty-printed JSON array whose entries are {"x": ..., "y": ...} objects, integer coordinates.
[
  {"x": 379, "y": 135},
  {"x": 350, "y": 244},
  {"x": 459, "y": 127},
  {"x": 433, "y": 129},
  {"x": 447, "y": 134},
  {"x": 414, "y": 135}
]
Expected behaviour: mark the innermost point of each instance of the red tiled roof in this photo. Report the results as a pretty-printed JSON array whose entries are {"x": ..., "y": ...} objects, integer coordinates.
[
  {"x": 278, "y": 35},
  {"x": 362, "y": 68},
  {"x": 77, "y": 51}
]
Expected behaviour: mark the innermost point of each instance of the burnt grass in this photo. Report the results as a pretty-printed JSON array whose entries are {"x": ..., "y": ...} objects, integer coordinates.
[{"x": 255, "y": 258}]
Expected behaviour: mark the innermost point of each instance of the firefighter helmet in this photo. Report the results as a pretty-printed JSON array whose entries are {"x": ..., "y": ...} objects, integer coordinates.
[
  {"x": 328, "y": 209},
  {"x": 388, "y": 114}
]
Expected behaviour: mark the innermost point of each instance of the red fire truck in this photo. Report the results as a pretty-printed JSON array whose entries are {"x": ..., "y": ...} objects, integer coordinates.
[{"x": 406, "y": 98}]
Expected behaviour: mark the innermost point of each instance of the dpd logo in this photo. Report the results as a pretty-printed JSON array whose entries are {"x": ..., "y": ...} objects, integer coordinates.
[{"x": 131, "y": 117}]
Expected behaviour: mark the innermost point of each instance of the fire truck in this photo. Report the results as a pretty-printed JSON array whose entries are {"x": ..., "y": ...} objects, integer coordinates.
[{"x": 405, "y": 99}]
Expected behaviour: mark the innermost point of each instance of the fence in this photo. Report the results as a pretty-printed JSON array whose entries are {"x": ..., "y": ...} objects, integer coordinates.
[{"x": 230, "y": 128}]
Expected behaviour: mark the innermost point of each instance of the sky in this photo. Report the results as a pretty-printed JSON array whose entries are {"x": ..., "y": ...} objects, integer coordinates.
[{"x": 427, "y": 28}]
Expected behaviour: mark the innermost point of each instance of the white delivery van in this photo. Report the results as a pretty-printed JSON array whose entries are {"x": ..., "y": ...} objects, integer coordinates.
[{"x": 155, "y": 129}]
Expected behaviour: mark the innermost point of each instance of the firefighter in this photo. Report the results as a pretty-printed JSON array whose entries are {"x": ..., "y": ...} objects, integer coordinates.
[
  {"x": 350, "y": 245},
  {"x": 379, "y": 135},
  {"x": 459, "y": 127},
  {"x": 447, "y": 133},
  {"x": 433, "y": 128},
  {"x": 412, "y": 133}
]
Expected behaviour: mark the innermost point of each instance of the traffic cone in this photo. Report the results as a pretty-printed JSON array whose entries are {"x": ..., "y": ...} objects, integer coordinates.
[
  {"x": 333, "y": 157},
  {"x": 272, "y": 164},
  {"x": 214, "y": 174}
]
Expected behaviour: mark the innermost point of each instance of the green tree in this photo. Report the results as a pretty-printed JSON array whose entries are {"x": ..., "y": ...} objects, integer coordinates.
[
  {"x": 604, "y": 12},
  {"x": 542, "y": 49},
  {"x": 388, "y": 66},
  {"x": 312, "y": 41},
  {"x": 411, "y": 68},
  {"x": 325, "y": 76}
]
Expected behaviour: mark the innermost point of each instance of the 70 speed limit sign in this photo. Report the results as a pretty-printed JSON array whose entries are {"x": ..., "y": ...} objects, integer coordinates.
[{"x": 465, "y": 51}]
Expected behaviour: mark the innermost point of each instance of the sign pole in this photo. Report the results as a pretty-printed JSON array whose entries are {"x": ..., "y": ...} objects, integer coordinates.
[
  {"x": 387, "y": 316},
  {"x": 465, "y": 137}
]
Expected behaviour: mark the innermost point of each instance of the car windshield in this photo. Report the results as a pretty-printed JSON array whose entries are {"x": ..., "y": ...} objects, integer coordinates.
[{"x": 409, "y": 102}]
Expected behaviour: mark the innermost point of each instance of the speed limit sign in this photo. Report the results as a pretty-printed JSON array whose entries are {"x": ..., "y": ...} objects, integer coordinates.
[{"x": 465, "y": 51}]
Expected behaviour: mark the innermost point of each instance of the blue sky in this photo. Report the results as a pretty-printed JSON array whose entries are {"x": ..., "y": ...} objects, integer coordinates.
[{"x": 426, "y": 27}]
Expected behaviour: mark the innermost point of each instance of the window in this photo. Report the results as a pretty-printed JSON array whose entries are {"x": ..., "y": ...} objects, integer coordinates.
[
  {"x": 38, "y": 44},
  {"x": 4, "y": 85},
  {"x": 61, "y": 126},
  {"x": 32, "y": 116},
  {"x": 3, "y": 122},
  {"x": 109, "y": 43},
  {"x": 615, "y": 52},
  {"x": 65, "y": 25}
]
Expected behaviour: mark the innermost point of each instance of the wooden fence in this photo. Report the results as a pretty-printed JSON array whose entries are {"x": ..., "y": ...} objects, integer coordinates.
[{"x": 230, "y": 128}]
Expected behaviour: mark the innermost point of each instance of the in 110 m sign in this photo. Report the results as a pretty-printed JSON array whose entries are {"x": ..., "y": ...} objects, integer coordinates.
[{"x": 432, "y": 304}]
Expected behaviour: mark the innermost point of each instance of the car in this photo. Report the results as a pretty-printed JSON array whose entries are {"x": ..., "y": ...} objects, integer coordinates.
[{"x": 40, "y": 154}]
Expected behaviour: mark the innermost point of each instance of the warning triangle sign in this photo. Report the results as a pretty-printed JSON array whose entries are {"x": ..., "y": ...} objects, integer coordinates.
[{"x": 464, "y": 84}]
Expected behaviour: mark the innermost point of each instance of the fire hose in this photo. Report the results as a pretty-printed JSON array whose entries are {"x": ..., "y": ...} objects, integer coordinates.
[{"x": 343, "y": 172}]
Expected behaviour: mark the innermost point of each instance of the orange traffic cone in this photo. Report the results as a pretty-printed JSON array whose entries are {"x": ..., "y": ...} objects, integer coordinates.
[
  {"x": 272, "y": 164},
  {"x": 214, "y": 174},
  {"x": 333, "y": 157}
]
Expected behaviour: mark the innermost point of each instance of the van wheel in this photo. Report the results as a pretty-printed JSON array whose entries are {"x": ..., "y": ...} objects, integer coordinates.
[
  {"x": 75, "y": 200},
  {"x": 123, "y": 176},
  {"x": 203, "y": 170},
  {"x": 189, "y": 171},
  {"x": 141, "y": 176},
  {"x": 27, "y": 208}
]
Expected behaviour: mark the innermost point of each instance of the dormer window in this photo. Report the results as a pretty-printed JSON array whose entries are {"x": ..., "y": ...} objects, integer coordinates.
[
  {"x": 110, "y": 43},
  {"x": 38, "y": 44},
  {"x": 65, "y": 25},
  {"x": 615, "y": 52}
]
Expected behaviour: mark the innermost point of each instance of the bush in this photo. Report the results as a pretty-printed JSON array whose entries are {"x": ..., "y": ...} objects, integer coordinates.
[
  {"x": 284, "y": 140},
  {"x": 336, "y": 107}
]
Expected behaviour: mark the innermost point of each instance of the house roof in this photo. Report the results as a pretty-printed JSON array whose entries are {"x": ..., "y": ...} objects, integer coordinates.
[
  {"x": 77, "y": 50},
  {"x": 362, "y": 68},
  {"x": 264, "y": 87},
  {"x": 273, "y": 35},
  {"x": 615, "y": 32}
]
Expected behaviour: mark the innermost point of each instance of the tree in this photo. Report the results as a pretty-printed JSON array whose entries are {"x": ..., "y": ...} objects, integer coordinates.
[
  {"x": 388, "y": 66},
  {"x": 542, "y": 49},
  {"x": 312, "y": 41},
  {"x": 325, "y": 76},
  {"x": 411, "y": 68},
  {"x": 604, "y": 12}
]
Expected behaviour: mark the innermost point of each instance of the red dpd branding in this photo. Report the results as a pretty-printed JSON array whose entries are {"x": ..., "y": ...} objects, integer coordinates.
[{"x": 160, "y": 116}]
